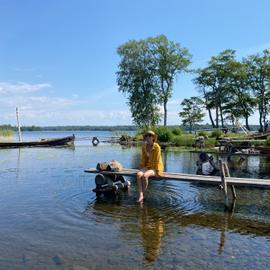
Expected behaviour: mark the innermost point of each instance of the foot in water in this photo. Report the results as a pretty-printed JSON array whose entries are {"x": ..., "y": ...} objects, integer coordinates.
[{"x": 140, "y": 199}]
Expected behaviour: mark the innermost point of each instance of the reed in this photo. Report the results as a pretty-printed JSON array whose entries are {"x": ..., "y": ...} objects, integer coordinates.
[
  {"x": 6, "y": 132},
  {"x": 184, "y": 140}
]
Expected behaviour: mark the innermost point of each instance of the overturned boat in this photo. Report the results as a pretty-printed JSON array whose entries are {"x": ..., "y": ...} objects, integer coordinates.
[{"x": 69, "y": 140}]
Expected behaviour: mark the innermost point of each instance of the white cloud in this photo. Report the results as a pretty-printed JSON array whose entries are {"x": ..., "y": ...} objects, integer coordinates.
[
  {"x": 69, "y": 117},
  {"x": 56, "y": 102},
  {"x": 105, "y": 93},
  {"x": 35, "y": 102},
  {"x": 21, "y": 87}
]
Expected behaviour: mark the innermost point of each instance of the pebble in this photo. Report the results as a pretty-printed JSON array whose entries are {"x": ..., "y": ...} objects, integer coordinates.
[{"x": 57, "y": 260}]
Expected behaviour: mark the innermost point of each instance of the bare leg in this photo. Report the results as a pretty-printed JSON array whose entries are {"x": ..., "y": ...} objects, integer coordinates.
[
  {"x": 145, "y": 177},
  {"x": 140, "y": 186}
]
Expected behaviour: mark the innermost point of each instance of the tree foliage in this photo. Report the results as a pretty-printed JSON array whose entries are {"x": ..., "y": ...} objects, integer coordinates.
[
  {"x": 226, "y": 89},
  {"x": 258, "y": 73},
  {"x": 214, "y": 82},
  {"x": 136, "y": 78},
  {"x": 191, "y": 113},
  {"x": 170, "y": 60},
  {"x": 146, "y": 74}
]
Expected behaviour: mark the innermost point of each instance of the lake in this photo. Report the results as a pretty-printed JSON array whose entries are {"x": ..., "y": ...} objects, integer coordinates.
[{"x": 51, "y": 219}]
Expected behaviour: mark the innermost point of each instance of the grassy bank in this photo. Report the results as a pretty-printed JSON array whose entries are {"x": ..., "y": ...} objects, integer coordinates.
[
  {"x": 6, "y": 132},
  {"x": 178, "y": 137}
]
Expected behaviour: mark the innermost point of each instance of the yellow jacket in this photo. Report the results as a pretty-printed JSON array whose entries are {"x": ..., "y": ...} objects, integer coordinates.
[{"x": 154, "y": 161}]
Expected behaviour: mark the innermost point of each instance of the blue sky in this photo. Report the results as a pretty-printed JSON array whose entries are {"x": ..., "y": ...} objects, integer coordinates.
[{"x": 58, "y": 57}]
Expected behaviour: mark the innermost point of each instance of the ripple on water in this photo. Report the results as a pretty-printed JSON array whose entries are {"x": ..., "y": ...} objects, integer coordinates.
[{"x": 164, "y": 200}]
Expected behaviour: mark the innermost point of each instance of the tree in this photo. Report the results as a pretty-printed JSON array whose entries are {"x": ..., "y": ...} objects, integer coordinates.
[
  {"x": 147, "y": 71},
  {"x": 191, "y": 113},
  {"x": 206, "y": 83},
  {"x": 136, "y": 78},
  {"x": 170, "y": 60},
  {"x": 214, "y": 81},
  {"x": 258, "y": 72},
  {"x": 240, "y": 102}
]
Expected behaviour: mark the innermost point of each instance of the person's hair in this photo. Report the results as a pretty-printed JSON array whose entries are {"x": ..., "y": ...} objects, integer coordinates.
[
  {"x": 151, "y": 133},
  {"x": 203, "y": 156}
]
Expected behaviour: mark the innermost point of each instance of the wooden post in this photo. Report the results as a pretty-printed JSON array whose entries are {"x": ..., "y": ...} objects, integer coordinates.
[
  {"x": 18, "y": 123},
  {"x": 224, "y": 183},
  {"x": 228, "y": 175}
]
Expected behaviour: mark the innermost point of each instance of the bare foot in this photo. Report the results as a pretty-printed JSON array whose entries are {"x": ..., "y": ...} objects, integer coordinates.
[{"x": 140, "y": 199}]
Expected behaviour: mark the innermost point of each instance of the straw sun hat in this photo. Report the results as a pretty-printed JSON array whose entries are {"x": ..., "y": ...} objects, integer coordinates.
[{"x": 151, "y": 133}]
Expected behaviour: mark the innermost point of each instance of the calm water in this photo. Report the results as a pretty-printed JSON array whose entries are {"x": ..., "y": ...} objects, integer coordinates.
[{"x": 51, "y": 219}]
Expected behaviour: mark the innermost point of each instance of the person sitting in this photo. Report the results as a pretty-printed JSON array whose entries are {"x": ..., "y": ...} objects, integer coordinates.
[
  {"x": 206, "y": 165},
  {"x": 151, "y": 163}
]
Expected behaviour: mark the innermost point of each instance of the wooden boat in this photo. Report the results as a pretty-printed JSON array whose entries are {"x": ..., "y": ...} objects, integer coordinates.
[
  {"x": 263, "y": 149},
  {"x": 262, "y": 135},
  {"x": 41, "y": 143}
]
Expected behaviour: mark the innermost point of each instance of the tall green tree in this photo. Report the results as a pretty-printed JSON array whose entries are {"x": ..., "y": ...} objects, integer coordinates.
[
  {"x": 147, "y": 71},
  {"x": 258, "y": 72},
  {"x": 214, "y": 82},
  {"x": 191, "y": 113},
  {"x": 240, "y": 102},
  {"x": 170, "y": 60},
  {"x": 206, "y": 82},
  {"x": 136, "y": 79}
]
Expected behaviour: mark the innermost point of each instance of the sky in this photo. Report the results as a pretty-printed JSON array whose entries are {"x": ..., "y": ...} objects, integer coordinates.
[{"x": 58, "y": 58}]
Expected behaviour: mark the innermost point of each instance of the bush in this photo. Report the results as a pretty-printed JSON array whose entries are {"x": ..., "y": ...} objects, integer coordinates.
[
  {"x": 177, "y": 131},
  {"x": 183, "y": 140},
  {"x": 210, "y": 142},
  {"x": 216, "y": 133},
  {"x": 6, "y": 132},
  {"x": 164, "y": 134},
  {"x": 267, "y": 141},
  {"x": 203, "y": 133},
  {"x": 138, "y": 137}
]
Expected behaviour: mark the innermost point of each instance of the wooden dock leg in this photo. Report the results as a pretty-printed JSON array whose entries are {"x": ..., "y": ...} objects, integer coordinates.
[
  {"x": 224, "y": 184},
  {"x": 227, "y": 172}
]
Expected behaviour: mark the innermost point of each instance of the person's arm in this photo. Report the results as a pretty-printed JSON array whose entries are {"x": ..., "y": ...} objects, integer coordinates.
[
  {"x": 157, "y": 161},
  {"x": 214, "y": 165},
  {"x": 143, "y": 158}
]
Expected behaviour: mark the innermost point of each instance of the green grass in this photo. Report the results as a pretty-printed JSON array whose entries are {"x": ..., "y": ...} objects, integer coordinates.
[
  {"x": 267, "y": 141},
  {"x": 6, "y": 132},
  {"x": 184, "y": 140}
]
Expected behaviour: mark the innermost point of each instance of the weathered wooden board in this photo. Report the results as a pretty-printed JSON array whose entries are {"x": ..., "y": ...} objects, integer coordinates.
[{"x": 203, "y": 179}]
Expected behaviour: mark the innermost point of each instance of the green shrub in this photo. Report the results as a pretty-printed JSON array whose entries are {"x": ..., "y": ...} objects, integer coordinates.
[
  {"x": 210, "y": 142},
  {"x": 138, "y": 137},
  {"x": 6, "y": 132},
  {"x": 203, "y": 133},
  {"x": 216, "y": 133},
  {"x": 267, "y": 141},
  {"x": 164, "y": 134},
  {"x": 183, "y": 140},
  {"x": 177, "y": 131}
]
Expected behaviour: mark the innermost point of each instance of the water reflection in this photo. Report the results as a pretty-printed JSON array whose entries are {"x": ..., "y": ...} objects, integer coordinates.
[
  {"x": 157, "y": 223},
  {"x": 152, "y": 229},
  {"x": 51, "y": 219}
]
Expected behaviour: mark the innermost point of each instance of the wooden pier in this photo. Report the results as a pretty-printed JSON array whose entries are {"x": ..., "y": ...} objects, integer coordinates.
[
  {"x": 222, "y": 181},
  {"x": 194, "y": 178}
]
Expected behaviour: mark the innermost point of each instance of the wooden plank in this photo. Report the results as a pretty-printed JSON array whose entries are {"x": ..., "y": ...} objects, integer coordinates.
[
  {"x": 224, "y": 183},
  {"x": 203, "y": 179},
  {"x": 228, "y": 175}
]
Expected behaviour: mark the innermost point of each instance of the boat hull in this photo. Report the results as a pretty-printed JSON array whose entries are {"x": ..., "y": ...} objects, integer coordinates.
[
  {"x": 263, "y": 150},
  {"x": 69, "y": 140}
]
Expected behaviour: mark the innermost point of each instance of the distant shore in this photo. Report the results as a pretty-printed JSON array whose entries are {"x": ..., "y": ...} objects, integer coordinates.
[{"x": 107, "y": 128}]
